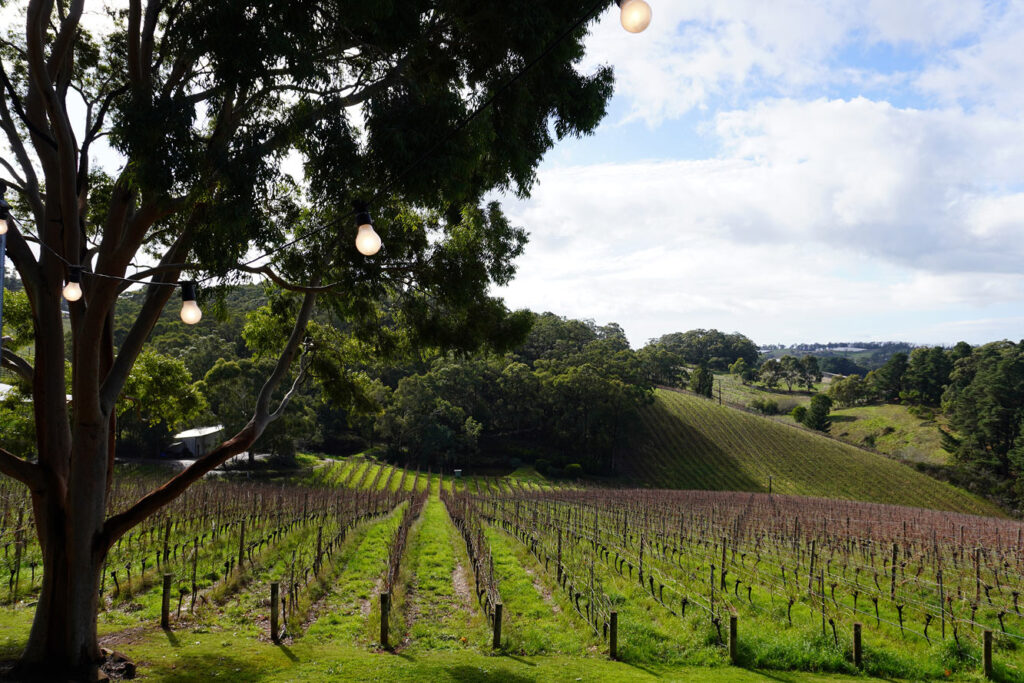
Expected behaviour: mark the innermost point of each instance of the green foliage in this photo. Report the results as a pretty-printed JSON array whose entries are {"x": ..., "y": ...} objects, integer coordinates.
[
  {"x": 426, "y": 426},
  {"x": 662, "y": 366},
  {"x": 850, "y": 391},
  {"x": 790, "y": 371},
  {"x": 572, "y": 387},
  {"x": 889, "y": 380},
  {"x": 799, "y": 413},
  {"x": 771, "y": 373},
  {"x": 159, "y": 399},
  {"x": 17, "y": 424},
  {"x": 573, "y": 471},
  {"x": 17, "y": 319},
  {"x": 810, "y": 371},
  {"x": 160, "y": 391},
  {"x": 985, "y": 405},
  {"x": 741, "y": 368},
  {"x": 716, "y": 349},
  {"x": 817, "y": 416},
  {"x": 765, "y": 406},
  {"x": 702, "y": 381}
]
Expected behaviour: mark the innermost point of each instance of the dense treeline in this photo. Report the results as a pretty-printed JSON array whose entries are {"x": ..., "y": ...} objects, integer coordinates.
[
  {"x": 979, "y": 391},
  {"x": 568, "y": 394},
  {"x": 562, "y": 392}
]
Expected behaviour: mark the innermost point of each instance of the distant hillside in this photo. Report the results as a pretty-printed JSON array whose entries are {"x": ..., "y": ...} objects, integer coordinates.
[
  {"x": 842, "y": 357},
  {"x": 692, "y": 443}
]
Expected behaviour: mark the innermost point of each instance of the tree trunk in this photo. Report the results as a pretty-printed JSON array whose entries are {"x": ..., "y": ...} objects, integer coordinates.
[{"x": 63, "y": 641}]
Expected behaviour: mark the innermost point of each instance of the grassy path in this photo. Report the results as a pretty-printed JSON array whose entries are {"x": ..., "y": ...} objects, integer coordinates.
[
  {"x": 346, "y": 612},
  {"x": 441, "y": 616},
  {"x": 537, "y": 619}
]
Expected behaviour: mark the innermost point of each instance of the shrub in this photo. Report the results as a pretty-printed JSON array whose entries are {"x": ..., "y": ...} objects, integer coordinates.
[
  {"x": 799, "y": 413},
  {"x": 818, "y": 415},
  {"x": 765, "y": 406},
  {"x": 542, "y": 465},
  {"x": 573, "y": 471}
]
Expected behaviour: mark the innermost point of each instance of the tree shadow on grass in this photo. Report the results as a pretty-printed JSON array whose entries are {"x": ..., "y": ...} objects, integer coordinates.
[
  {"x": 287, "y": 652},
  {"x": 201, "y": 667},
  {"x": 171, "y": 638},
  {"x": 683, "y": 456},
  {"x": 473, "y": 673},
  {"x": 516, "y": 658},
  {"x": 640, "y": 667}
]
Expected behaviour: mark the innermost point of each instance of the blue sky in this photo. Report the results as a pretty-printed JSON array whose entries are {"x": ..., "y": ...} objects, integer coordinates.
[{"x": 802, "y": 170}]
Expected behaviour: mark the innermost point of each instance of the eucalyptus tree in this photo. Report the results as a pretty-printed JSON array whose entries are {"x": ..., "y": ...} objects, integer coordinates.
[{"x": 200, "y": 105}]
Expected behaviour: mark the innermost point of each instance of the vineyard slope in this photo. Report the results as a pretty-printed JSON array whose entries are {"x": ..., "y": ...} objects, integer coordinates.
[{"x": 693, "y": 443}]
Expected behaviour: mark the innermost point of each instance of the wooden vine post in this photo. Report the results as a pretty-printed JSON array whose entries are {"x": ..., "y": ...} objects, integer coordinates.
[
  {"x": 385, "y": 609},
  {"x": 733, "y": 651},
  {"x": 275, "y": 599},
  {"x": 165, "y": 604},
  {"x": 498, "y": 608},
  {"x": 858, "y": 652},
  {"x": 613, "y": 635},
  {"x": 241, "y": 546},
  {"x": 987, "y": 663}
]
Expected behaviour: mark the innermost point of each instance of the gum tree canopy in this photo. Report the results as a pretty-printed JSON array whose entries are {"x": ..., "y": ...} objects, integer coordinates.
[{"x": 198, "y": 104}]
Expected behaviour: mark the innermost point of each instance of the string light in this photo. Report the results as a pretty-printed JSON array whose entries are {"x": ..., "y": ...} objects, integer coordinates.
[
  {"x": 635, "y": 15},
  {"x": 367, "y": 240},
  {"x": 190, "y": 313},
  {"x": 73, "y": 289}
]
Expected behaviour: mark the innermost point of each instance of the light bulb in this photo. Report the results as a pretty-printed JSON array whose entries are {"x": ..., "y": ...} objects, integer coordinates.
[
  {"x": 72, "y": 291},
  {"x": 190, "y": 313},
  {"x": 3, "y": 226},
  {"x": 367, "y": 240},
  {"x": 635, "y": 15}
]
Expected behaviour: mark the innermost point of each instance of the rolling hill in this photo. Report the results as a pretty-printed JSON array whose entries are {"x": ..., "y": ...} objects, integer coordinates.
[{"x": 693, "y": 443}]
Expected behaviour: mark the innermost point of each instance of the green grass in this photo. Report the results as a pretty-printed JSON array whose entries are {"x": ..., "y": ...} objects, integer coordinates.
[
  {"x": 735, "y": 391},
  {"x": 203, "y": 653},
  {"x": 440, "y": 618},
  {"x": 891, "y": 428},
  {"x": 229, "y": 641},
  {"x": 538, "y": 618},
  {"x": 349, "y": 607},
  {"x": 693, "y": 443}
]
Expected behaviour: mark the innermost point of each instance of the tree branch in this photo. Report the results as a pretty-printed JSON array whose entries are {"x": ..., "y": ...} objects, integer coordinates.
[
  {"x": 152, "y": 307},
  {"x": 65, "y": 40},
  {"x": 26, "y": 472},
  {"x": 7, "y": 124},
  {"x": 20, "y": 111},
  {"x": 301, "y": 375},
  {"x": 23, "y": 258},
  {"x": 285, "y": 284},
  {"x": 15, "y": 363},
  {"x": 120, "y": 523},
  {"x": 287, "y": 356},
  {"x": 175, "y": 268}
]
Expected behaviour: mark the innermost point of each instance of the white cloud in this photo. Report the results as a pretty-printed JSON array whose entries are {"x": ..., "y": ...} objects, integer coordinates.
[
  {"x": 985, "y": 73},
  {"x": 699, "y": 50},
  {"x": 815, "y": 214}
]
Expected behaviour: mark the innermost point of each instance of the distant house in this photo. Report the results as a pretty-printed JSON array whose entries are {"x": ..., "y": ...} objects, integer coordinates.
[{"x": 197, "y": 441}]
